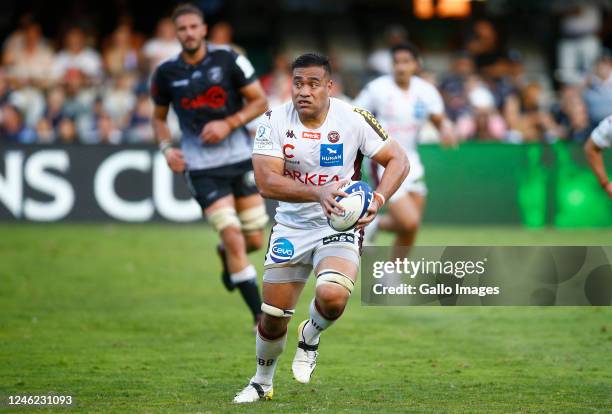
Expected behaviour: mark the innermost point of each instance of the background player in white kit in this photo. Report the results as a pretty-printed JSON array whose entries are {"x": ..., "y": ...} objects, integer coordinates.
[
  {"x": 303, "y": 152},
  {"x": 403, "y": 102},
  {"x": 600, "y": 139}
]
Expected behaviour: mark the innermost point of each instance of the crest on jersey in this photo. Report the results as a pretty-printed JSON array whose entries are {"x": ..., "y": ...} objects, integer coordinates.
[
  {"x": 215, "y": 74},
  {"x": 373, "y": 122},
  {"x": 333, "y": 137}
]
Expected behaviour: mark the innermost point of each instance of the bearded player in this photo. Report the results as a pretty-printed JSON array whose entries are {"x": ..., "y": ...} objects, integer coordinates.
[
  {"x": 304, "y": 151},
  {"x": 214, "y": 92},
  {"x": 600, "y": 139},
  {"x": 403, "y": 102}
]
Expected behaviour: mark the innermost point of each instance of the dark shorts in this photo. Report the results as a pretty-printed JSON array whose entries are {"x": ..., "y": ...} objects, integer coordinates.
[{"x": 208, "y": 186}]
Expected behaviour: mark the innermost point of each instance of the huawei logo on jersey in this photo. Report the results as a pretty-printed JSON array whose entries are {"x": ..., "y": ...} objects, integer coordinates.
[{"x": 214, "y": 98}]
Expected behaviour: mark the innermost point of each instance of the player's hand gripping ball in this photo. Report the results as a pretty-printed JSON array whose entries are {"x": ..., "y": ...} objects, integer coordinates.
[{"x": 355, "y": 205}]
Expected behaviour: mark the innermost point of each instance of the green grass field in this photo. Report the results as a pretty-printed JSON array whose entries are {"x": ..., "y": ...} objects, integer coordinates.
[{"x": 134, "y": 319}]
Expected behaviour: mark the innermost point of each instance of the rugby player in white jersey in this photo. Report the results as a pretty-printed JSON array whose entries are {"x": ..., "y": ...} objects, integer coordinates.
[
  {"x": 303, "y": 152},
  {"x": 600, "y": 139},
  {"x": 403, "y": 103}
]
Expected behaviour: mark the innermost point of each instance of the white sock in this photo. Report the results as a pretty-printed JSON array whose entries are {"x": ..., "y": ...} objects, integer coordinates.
[
  {"x": 245, "y": 274},
  {"x": 315, "y": 325},
  {"x": 267, "y": 353}
]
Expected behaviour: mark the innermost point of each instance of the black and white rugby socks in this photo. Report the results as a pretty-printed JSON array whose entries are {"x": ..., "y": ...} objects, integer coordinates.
[
  {"x": 316, "y": 324},
  {"x": 267, "y": 352},
  {"x": 246, "y": 281}
]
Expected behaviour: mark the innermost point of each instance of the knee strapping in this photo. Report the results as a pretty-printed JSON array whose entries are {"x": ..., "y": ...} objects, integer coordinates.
[
  {"x": 334, "y": 277},
  {"x": 223, "y": 217},
  {"x": 277, "y": 312},
  {"x": 254, "y": 218}
]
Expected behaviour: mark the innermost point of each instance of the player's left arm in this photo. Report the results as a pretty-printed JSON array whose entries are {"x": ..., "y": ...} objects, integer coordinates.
[
  {"x": 393, "y": 157},
  {"x": 448, "y": 137},
  {"x": 256, "y": 104},
  {"x": 435, "y": 106}
]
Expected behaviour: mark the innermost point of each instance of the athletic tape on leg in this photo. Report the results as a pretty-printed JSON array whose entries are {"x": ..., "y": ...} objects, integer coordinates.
[
  {"x": 278, "y": 312},
  {"x": 223, "y": 217},
  {"x": 254, "y": 218},
  {"x": 331, "y": 276}
]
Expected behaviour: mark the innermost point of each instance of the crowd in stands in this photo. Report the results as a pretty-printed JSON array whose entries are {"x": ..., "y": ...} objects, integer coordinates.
[{"x": 74, "y": 93}]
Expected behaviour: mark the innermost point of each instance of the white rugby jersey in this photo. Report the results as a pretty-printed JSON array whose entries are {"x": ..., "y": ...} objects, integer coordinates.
[
  {"x": 333, "y": 152},
  {"x": 602, "y": 135},
  {"x": 401, "y": 112}
]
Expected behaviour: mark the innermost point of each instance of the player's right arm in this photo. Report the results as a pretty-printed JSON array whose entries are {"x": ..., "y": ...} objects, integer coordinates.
[
  {"x": 273, "y": 184},
  {"x": 161, "y": 98},
  {"x": 600, "y": 138}
]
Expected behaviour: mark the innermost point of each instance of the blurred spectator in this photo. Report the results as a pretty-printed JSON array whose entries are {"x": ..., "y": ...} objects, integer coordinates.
[
  {"x": 277, "y": 83},
  {"x": 123, "y": 51},
  {"x": 221, "y": 34},
  {"x": 55, "y": 106},
  {"x": 516, "y": 69},
  {"x": 578, "y": 45},
  {"x": 571, "y": 114},
  {"x": 483, "y": 121},
  {"x": 163, "y": 46},
  {"x": 31, "y": 103},
  {"x": 453, "y": 86},
  {"x": 67, "y": 131},
  {"x": 484, "y": 44},
  {"x": 44, "y": 132},
  {"x": 13, "y": 128},
  {"x": 106, "y": 132},
  {"x": 77, "y": 56},
  {"x": 140, "y": 128},
  {"x": 380, "y": 60},
  {"x": 598, "y": 92},
  {"x": 529, "y": 119},
  {"x": 119, "y": 100},
  {"x": 28, "y": 58}
]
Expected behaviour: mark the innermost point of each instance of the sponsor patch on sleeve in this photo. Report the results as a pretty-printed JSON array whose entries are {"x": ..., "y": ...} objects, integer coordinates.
[
  {"x": 373, "y": 122},
  {"x": 262, "y": 138}
]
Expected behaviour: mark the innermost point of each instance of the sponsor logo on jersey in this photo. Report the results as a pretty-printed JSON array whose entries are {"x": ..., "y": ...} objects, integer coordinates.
[
  {"x": 420, "y": 110},
  {"x": 262, "y": 138},
  {"x": 339, "y": 238},
  {"x": 196, "y": 75},
  {"x": 310, "y": 178},
  {"x": 215, "y": 74},
  {"x": 373, "y": 122},
  {"x": 331, "y": 155},
  {"x": 286, "y": 149},
  {"x": 281, "y": 250},
  {"x": 214, "y": 98},
  {"x": 290, "y": 134},
  {"x": 311, "y": 135},
  {"x": 182, "y": 82},
  {"x": 333, "y": 137}
]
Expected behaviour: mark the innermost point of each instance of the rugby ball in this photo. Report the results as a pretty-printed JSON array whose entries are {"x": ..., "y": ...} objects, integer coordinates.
[{"x": 355, "y": 205}]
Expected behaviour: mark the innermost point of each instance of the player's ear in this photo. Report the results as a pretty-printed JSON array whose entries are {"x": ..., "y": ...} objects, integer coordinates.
[{"x": 330, "y": 84}]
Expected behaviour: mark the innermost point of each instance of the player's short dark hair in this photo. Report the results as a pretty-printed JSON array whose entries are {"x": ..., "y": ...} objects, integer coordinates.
[
  {"x": 407, "y": 46},
  {"x": 312, "y": 59},
  {"x": 186, "y": 8}
]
